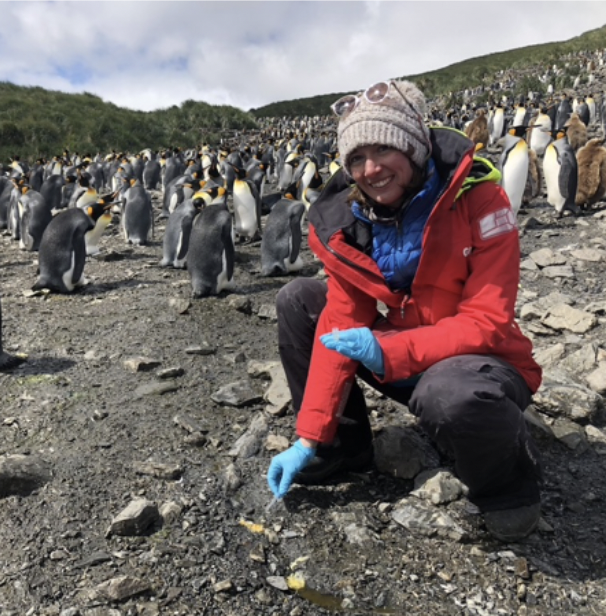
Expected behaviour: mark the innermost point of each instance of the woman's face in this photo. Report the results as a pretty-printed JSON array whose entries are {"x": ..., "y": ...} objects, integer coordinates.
[{"x": 382, "y": 172}]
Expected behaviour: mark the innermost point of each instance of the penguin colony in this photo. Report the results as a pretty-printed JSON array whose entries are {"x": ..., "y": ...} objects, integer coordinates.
[{"x": 214, "y": 197}]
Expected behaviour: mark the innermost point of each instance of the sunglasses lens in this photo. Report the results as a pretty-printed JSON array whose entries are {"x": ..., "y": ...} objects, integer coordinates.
[
  {"x": 344, "y": 105},
  {"x": 376, "y": 93}
]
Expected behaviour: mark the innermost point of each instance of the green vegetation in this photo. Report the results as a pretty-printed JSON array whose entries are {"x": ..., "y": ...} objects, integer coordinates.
[
  {"x": 469, "y": 73},
  {"x": 35, "y": 122}
]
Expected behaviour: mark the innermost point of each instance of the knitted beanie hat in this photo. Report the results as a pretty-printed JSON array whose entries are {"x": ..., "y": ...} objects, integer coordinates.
[{"x": 396, "y": 121}]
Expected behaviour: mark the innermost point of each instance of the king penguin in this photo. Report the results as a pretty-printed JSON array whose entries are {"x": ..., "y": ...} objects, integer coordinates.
[
  {"x": 210, "y": 257},
  {"x": 178, "y": 229},
  {"x": 540, "y": 132},
  {"x": 63, "y": 250},
  {"x": 34, "y": 215},
  {"x": 247, "y": 206},
  {"x": 281, "y": 243},
  {"x": 497, "y": 124},
  {"x": 561, "y": 175},
  {"x": 514, "y": 166},
  {"x": 137, "y": 214}
]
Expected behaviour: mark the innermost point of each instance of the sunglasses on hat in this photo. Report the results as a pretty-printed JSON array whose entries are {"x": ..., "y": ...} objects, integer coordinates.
[{"x": 374, "y": 94}]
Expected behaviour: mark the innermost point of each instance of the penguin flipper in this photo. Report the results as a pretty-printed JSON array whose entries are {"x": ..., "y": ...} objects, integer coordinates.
[
  {"x": 186, "y": 226},
  {"x": 295, "y": 234},
  {"x": 228, "y": 247}
]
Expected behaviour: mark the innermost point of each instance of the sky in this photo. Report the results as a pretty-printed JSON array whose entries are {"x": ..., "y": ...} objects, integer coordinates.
[{"x": 151, "y": 55}]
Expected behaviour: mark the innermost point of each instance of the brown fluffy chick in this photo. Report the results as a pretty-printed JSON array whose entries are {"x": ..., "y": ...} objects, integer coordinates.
[
  {"x": 576, "y": 132},
  {"x": 591, "y": 162},
  {"x": 477, "y": 129},
  {"x": 535, "y": 177}
]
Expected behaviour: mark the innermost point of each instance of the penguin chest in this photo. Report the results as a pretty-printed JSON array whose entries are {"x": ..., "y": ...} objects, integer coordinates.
[
  {"x": 245, "y": 209},
  {"x": 93, "y": 236},
  {"x": 515, "y": 173},
  {"x": 551, "y": 171}
]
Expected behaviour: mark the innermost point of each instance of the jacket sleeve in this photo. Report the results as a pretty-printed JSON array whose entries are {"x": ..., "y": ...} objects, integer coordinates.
[
  {"x": 485, "y": 313},
  {"x": 331, "y": 374}
]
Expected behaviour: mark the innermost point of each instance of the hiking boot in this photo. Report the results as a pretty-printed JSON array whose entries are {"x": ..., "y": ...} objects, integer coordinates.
[
  {"x": 330, "y": 460},
  {"x": 510, "y": 525}
]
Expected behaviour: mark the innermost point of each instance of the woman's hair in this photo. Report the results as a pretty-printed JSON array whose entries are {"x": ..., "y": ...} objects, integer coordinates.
[{"x": 416, "y": 182}]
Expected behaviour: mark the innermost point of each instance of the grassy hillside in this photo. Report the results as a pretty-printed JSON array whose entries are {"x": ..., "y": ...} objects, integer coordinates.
[
  {"x": 36, "y": 122},
  {"x": 472, "y": 72}
]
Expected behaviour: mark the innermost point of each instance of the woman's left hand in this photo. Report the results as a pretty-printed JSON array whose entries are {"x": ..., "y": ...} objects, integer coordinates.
[{"x": 358, "y": 343}]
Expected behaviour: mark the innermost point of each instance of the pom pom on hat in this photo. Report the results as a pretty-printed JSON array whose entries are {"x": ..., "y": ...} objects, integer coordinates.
[{"x": 396, "y": 121}]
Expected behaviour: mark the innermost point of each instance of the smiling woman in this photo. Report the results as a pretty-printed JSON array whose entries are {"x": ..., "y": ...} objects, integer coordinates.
[{"x": 403, "y": 223}]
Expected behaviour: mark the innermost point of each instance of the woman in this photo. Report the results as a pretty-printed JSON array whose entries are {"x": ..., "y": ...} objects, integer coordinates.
[{"x": 414, "y": 221}]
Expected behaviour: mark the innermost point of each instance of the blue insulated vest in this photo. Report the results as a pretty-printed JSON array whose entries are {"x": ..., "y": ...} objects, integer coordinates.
[{"x": 396, "y": 247}]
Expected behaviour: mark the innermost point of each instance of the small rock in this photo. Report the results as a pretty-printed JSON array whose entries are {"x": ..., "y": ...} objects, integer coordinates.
[
  {"x": 522, "y": 569},
  {"x": 246, "y": 446},
  {"x": 426, "y": 521},
  {"x": 121, "y": 588},
  {"x": 268, "y": 311},
  {"x": 189, "y": 424},
  {"x": 276, "y": 442},
  {"x": 550, "y": 355},
  {"x": 181, "y": 306},
  {"x": 545, "y": 257},
  {"x": 201, "y": 350},
  {"x": 597, "y": 379},
  {"x": 170, "y": 373},
  {"x": 240, "y": 303},
  {"x": 170, "y": 512},
  {"x": 571, "y": 434},
  {"x": 562, "y": 317},
  {"x": 558, "y": 271},
  {"x": 141, "y": 364},
  {"x": 438, "y": 486},
  {"x": 232, "y": 478},
  {"x": 594, "y": 255},
  {"x": 223, "y": 586},
  {"x": 135, "y": 519},
  {"x": 277, "y": 582},
  {"x": 236, "y": 394},
  {"x": 154, "y": 389}
]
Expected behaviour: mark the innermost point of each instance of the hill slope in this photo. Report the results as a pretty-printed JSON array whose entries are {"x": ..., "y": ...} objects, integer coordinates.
[
  {"x": 37, "y": 122},
  {"x": 468, "y": 73}
]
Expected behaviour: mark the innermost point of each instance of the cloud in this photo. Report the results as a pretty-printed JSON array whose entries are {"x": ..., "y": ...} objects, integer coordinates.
[{"x": 149, "y": 55}]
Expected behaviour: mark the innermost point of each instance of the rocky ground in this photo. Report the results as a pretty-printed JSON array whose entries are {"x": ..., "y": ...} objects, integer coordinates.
[{"x": 136, "y": 438}]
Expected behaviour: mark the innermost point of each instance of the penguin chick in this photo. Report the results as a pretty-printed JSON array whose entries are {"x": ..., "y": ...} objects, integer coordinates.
[
  {"x": 591, "y": 162},
  {"x": 477, "y": 129},
  {"x": 576, "y": 132}
]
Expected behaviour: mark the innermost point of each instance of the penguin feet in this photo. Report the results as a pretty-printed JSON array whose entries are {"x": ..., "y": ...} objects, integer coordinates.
[{"x": 8, "y": 362}]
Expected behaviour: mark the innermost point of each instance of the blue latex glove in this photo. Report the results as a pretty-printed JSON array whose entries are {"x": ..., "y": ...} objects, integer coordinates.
[
  {"x": 286, "y": 465},
  {"x": 358, "y": 343}
]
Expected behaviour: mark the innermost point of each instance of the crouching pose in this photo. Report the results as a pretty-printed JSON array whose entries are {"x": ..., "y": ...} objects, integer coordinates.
[{"x": 414, "y": 221}]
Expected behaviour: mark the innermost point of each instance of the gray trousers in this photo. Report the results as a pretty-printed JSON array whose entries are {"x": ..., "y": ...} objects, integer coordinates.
[{"x": 470, "y": 406}]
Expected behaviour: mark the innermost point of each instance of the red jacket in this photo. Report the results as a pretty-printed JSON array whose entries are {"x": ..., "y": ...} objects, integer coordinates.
[{"x": 461, "y": 301}]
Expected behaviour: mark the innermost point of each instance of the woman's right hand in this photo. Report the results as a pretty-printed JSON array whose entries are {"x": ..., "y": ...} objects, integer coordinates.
[{"x": 286, "y": 465}]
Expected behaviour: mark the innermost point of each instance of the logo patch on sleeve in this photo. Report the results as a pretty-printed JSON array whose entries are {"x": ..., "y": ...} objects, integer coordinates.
[{"x": 497, "y": 223}]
